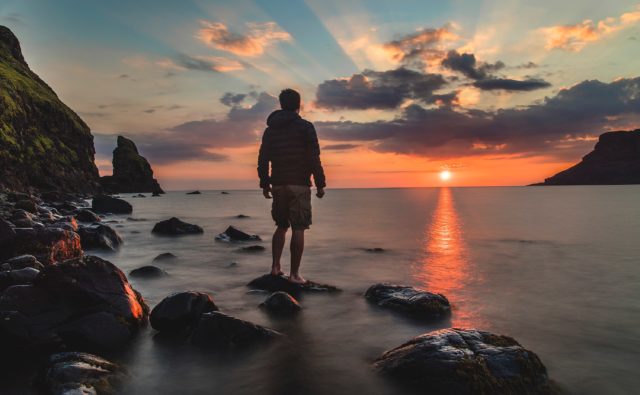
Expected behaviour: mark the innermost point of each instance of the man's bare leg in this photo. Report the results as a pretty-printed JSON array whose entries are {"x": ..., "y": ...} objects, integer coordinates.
[
  {"x": 297, "y": 248},
  {"x": 277, "y": 245}
]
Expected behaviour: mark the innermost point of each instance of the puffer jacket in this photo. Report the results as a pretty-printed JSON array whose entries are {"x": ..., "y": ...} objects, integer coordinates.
[{"x": 291, "y": 145}]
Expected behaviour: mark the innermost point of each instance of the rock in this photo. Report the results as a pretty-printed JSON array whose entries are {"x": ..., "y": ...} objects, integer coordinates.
[
  {"x": 48, "y": 245},
  {"x": 164, "y": 257},
  {"x": 242, "y": 216},
  {"x": 76, "y": 373},
  {"x": 155, "y": 194},
  {"x": 175, "y": 227},
  {"x": 17, "y": 196},
  {"x": 136, "y": 219},
  {"x": 181, "y": 311},
  {"x": 224, "y": 193},
  {"x": 131, "y": 171},
  {"x": 27, "y": 205},
  {"x": 99, "y": 236},
  {"x": 271, "y": 283},
  {"x": 23, "y": 223},
  {"x": 375, "y": 249},
  {"x": 85, "y": 215},
  {"x": 107, "y": 204},
  {"x": 220, "y": 331},
  {"x": 22, "y": 276},
  {"x": 148, "y": 271},
  {"x": 465, "y": 361},
  {"x": 255, "y": 248},
  {"x": 409, "y": 300},
  {"x": 281, "y": 303},
  {"x": 234, "y": 234},
  {"x": 193, "y": 193},
  {"x": 22, "y": 261},
  {"x": 43, "y": 144},
  {"x": 139, "y": 196},
  {"x": 614, "y": 160},
  {"x": 7, "y": 234}
]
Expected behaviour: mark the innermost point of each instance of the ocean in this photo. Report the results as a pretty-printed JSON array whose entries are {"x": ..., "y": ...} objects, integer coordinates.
[{"x": 557, "y": 268}]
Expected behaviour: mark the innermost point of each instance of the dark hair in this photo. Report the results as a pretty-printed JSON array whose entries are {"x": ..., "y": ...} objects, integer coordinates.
[{"x": 289, "y": 100}]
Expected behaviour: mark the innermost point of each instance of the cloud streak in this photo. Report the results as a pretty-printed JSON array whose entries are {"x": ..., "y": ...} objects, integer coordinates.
[{"x": 253, "y": 42}]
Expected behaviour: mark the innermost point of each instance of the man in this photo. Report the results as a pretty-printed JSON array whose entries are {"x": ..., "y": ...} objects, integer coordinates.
[{"x": 291, "y": 145}]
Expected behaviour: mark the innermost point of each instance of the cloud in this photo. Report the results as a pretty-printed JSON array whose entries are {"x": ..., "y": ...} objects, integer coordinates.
[
  {"x": 232, "y": 99},
  {"x": 575, "y": 37},
  {"x": 380, "y": 89},
  {"x": 340, "y": 147},
  {"x": 509, "y": 84},
  {"x": 204, "y": 63},
  {"x": 253, "y": 42},
  {"x": 423, "y": 45},
  {"x": 557, "y": 125}
]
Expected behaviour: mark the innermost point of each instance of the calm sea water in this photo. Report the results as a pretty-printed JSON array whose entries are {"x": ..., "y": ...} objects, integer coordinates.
[{"x": 557, "y": 268}]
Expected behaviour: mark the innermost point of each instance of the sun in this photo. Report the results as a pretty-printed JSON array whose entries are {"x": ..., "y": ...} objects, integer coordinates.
[{"x": 445, "y": 175}]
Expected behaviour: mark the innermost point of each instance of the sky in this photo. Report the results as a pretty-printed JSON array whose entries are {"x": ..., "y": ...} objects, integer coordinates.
[{"x": 502, "y": 92}]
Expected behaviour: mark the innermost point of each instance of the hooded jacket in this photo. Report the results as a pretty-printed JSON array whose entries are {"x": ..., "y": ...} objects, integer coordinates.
[{"x": 291, "y": 145}]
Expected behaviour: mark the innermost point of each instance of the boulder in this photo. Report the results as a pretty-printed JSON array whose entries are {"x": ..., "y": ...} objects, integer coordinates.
[
  {"x": 99, "y": 236},
  {"x": 148, "y": 271},
  {"x": 22, "y": 276},
  {"x": 409, "y": 300},
  {"x": 271, "y": 283},
  {"x": 175, "y": 227},
  {"x": 22, "y": 261},
  {"x": 27, "y": 205},
  {"x": 7, "y": 234},
  {"x": 465, "y": 361},
  {"x": 181, "y": 311},
  {"x": 48, "y": 245},
  {"x": 220, "y": 331},
  {"x": 165, "y": 257},
  {"x": 86, "y": 215},
  {"x": 234, "y": 234},
  {"x": 281, "y": 303},
  {"x": 76, "y": 373},
  {"x": 107, "y": 204},
  {"x": 193, "y": 193}
]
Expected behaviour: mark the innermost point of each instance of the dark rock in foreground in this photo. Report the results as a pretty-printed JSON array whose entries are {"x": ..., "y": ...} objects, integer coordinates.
[
  {"x": 234, "y": 234},
  {"x": 76, "y": 373},
  {"x": 180, "y": 312},
  {"x": 220, "y": 331},
  {"x": 271, "y": 283},
  {"x": 410, "y": 300},
  {"x": 107, "y": 204},
  {"x": 148, "y": 271},
  {"x": 99, "y": 236},
  {"x": 281, "y": 303},
  {"x": 175, "y": 227},
  {"x": 614, "y": 160},
  {"x": 164, "y": 257},
  {"x": 465, "y": 361},
  {"x": 48, "y": 245},
  {"x": 22, "y": 261}
]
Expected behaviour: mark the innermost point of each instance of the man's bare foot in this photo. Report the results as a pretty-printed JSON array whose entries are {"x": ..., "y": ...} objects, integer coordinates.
[
  {"x": 298, "y": 279},
  {"x": 275, "y": 271}
]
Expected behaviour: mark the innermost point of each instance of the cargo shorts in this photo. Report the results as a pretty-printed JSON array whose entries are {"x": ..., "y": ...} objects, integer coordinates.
[{"x": 291, "y": 206}]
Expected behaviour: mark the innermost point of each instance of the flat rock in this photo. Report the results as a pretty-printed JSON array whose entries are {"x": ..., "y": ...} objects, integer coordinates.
[
  {"x": 181, "y": 311},
  {"x": 193, "y": 193},
  {"x": 235, "y": 234},
  {"x": 409, "y": 300},
  {"x": 271, "y": 283},
  {"x": 465, "y": 361},
  {"x": 76, "y": 373},
  {"x": 281, "y": 303},
  {"x": 148, "y": 271},
  {"x": 176, "y": 227},
  {"x": 99, "y": 236},
  {"x": 220, "y": 331},
  {"x": 108, "y": 204}
]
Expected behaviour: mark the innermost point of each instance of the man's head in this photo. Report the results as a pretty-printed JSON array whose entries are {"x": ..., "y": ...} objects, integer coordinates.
[{"x": 289, "y": 100}]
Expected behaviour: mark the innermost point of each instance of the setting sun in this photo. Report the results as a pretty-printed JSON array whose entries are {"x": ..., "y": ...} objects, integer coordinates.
[{"x": 445, "y": 175}]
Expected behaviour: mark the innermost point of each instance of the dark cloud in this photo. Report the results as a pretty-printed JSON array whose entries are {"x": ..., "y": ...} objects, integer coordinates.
[
  {"x": 379, "y": 89},
  {"x": 528, "y": 65},
  {"x": 555, "y": 125},
  {"x": 421, "y": 45},
  {"x": 510, "y": 84},
  {"x": 191, "y": 63},
  {"x": 340, "y": 147},
  {"x": 150, "y": 111},
  {"x": 232, "y": 99}
]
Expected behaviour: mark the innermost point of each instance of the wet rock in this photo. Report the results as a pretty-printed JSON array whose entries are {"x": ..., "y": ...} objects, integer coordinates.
[
  {"x": 75, "y": 373},
  {"x": 22, "y": 276},
  {"x": 271, "y": 283},
  {"x": 136, "y": 219},
  {"x": 27, "y": 205},
  {"x": 181, "y": 311},
  {"x": 234, "y": 234},
  {"x": 89, "y": 216},
  {"x": 18, "y": 196},
  {"x": 410, "y": 300},
  {"x": 7, "y": 234},
  {"x": 148, "y": 271},
  {"x": 139, "y": 196},
  {"x": 193, "y": 193},
  {"x": 375, "y": 249},
  {"x": 22, "y": 261},
  {"x": 99, "y": 236},
  {"x": 224, "y": 193},
  {"x": 108, "y": 204},
  {"x": 165, "y": 257},
  {"x": 255, "y": 248},
  {"x": 155, "y": 194},
  {"x": 242, "y": 216},
  {"x": 175, "y": 227},
  {"x": 465, "y": 361},
  {"x": 48, "y": 245},
  {"x": 281, "y": 303},
  {"x": 220, "y": 331}
]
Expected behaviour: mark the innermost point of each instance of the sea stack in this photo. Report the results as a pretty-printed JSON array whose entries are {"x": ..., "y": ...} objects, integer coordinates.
[
  {"x": 44, "y": 145},
  {"x": 132, "y": 173}
]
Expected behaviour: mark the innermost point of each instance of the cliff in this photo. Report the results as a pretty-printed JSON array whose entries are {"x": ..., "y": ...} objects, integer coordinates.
[
  {"x": 614, "y": 160},
  {"x": 131, "y": 171},
  {"x": 44, "y": 145}
]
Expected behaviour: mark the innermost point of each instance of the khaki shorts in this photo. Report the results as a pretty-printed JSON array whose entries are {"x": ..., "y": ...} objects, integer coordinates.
[{"x": 291, "y": 206}]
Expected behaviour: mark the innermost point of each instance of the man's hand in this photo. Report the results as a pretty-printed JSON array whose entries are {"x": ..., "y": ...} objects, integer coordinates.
[
  {"x": 266, "y": 192},
  {"x": 320, "y": 193}
]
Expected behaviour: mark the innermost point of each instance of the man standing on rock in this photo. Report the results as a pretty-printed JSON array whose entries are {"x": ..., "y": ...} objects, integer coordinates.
[{"x": 291, "y": 145}]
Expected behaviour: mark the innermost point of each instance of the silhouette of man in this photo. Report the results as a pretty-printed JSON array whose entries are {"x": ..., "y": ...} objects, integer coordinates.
[{"x": 291, "y": 145}]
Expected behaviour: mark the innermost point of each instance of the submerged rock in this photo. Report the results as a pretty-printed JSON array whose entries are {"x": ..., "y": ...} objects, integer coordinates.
[
  {"x": 271, "y": 283},
  {"x": 242, "y": 216},
  {"x": 164, "y": 257},
  {"x": 76, "y": 373},
  {"x": 107, "y": 204},
  {"x": 410, "y": 300},
  {"x": 181, "y": 311},
  {"x": 254, "y": 248},
  {"x": 148, "y": 271},
  {"x": 193, "y": 193},
  {"x": 175, "y": 227},
  {"x": 234, "y": 234},
  {"x": 375, "y": 249},
  {"x": 281, "y": 303},
  {"x": 220, "y": 331},
  {"x": 99, "y": 236},
  {"x": 465, "y": 361}
]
